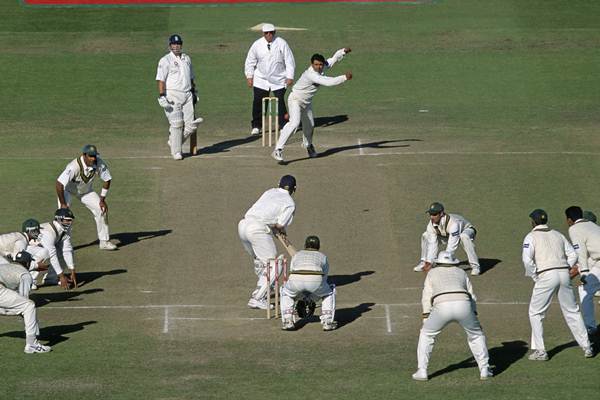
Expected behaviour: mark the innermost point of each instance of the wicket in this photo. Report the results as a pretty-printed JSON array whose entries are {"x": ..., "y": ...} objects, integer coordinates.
[
  {"x": 281, "y": 276},
  {"x": 270, "y": 112}
]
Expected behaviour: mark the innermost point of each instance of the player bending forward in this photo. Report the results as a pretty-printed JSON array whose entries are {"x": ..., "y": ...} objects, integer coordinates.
[
  {"x": 308, "y": 277},
  {"x": 448, "y": 297},
  {"x": 15, "y": 283},
  {"x": 300, "y": 100}
]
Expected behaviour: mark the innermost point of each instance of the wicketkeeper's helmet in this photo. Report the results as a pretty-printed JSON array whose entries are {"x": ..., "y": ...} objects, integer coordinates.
[
  {"x": 64, "y": 216},
  {"x": 31, "y": 227},
  {"x": 312, "y": 242},
  {"x": 175, "y": 39}
]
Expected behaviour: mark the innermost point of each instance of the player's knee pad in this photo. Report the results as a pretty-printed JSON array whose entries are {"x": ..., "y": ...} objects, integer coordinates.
[{"x": 176, "y": 119}]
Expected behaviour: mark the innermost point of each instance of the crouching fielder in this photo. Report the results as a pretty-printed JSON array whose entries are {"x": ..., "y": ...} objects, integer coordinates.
[
  {"x": 308, "y": 275},
  {"x": 15, "y": 283},
  {"x": 448, "y": 297}
]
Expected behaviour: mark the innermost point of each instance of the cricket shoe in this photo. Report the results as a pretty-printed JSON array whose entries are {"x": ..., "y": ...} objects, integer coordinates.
[
  {"x": 597, "y": 294},
  {"x": 419, "y": 267},
  {"x": 485, "y": 374},
  {"x": 329, "y": 326},
  {"x": 107, "y": 245},
  {"x": 538, "y": 355},
  {"x": 259, "y": 304},
  {"x": 287, "y": 325},
  {"x": 588, "y": 352},
  {"x": 34, "y": 286},
  {"x": 277, "y": 154},
  {"x": 475, "y": 270},
  {"x": 178, "y": 156},
  {"x": 37, "y": 347},
  {"x": 312, "y": 153},
  {"x": 255, "y": 132},
  {"x": 420, "y": 375}
]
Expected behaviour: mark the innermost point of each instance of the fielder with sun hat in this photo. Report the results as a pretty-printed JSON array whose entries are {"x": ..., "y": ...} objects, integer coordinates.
[{"x": 448, "y": 297}]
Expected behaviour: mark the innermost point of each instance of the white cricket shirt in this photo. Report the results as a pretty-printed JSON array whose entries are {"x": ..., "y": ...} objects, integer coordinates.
[
  {"x": 77, "y": 178},
  {"x": 176, "y": 72},
  {"x": 274, "y": 207}
]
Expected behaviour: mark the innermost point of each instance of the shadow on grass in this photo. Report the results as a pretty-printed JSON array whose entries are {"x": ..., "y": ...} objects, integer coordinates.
[
  {"x": 341, "y": 280},
  {"x": 41, "y": 299},
  {"x": 381, "y": 144},
  {"x": 558, "y": 349},
  {"x": 84, "y": 278},
  {"x": 53, "y": 334},
  {"x": 127, "y": 238},
  {"x": 485, "y": 264},
  {"x": 223, "y": 147},
  {"x": 501, "y": 358},
  {"x": 345, "y": 316}
]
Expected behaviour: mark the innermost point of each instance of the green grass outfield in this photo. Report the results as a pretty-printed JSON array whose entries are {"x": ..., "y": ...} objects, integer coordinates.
[{"x": 512, "y": 100}]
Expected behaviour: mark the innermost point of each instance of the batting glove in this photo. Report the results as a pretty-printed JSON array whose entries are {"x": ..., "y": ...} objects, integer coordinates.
[{"x": 163, "y": 102}]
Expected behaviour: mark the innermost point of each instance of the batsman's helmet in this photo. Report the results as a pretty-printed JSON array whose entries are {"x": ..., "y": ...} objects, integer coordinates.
[
  {"x": 64, "y": 216},
  {"x": 31, "y": 227},
  {"x": 305, "y": 308},
  {"x": 23, "y": 258},
  {"x": 288, "y": 182},
  {"x": 590, "y": 216},
  {"x": 312, "y": 242},
  {"x": 539, "y": 216},
  {"x": 175, "y": 39}
]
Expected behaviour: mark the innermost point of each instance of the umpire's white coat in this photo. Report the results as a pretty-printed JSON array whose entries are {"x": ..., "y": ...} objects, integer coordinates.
[{"x": 547, "y": 256}]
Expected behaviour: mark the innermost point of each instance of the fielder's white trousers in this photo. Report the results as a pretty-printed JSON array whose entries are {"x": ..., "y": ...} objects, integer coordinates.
[
  {"x": 467, "y": 240},
  {"x": 442, "y": 314},
  {"x": 546, "y": 284},
  {"x": 12, "y": 303},
  {"x": 180, "y": 116},
  {"x": 92, "y": 201},
  {"x": 299, "y": 112},
  {"x": 258, "y": 242},
  {"x": 314, "y": 284},
  {"x": 586, "y": 295}
]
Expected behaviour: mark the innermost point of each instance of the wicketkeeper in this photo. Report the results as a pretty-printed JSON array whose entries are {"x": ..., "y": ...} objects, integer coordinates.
[{"x": 308, "y": 280}]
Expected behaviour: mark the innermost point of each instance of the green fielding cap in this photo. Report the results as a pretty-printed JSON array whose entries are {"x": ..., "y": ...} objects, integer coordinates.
[
  {"x": 435, "y": 208},
  {"x": 90, "y": 150}
]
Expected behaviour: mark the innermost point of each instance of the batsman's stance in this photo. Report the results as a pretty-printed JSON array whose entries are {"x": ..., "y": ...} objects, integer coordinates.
[
  {"x": 177, "y": 95},
  {"x": 271, "y": 213},
  {"x": 78, "y": 179},
  {"x": 448, "y": 297},
  {"x": 308, "y": 278}
]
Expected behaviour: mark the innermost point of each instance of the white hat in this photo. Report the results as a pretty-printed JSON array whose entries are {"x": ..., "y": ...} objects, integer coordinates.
[
  {"x": 268, "y": 28},
  {"x": 446, "y": 257}
]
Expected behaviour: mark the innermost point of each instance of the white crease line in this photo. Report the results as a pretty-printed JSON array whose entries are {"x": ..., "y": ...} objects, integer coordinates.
[
  {"x": 166, "y": 324},
  {"x": 388, "y": 319},
  {"x": 361, "y": 152},
  {"x": 166, "y": 306}
]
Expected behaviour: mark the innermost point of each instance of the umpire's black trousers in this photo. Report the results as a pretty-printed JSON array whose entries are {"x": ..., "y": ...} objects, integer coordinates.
[{"x": 259, "y": 94}]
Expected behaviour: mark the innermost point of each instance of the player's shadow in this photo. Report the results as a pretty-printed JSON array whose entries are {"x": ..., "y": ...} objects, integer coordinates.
[
  {"x": 127, "y": 238},
  {"x": 342, "y": 280},
  {"x": 331, "y": 120},
  {"x": 224, "y": 146},
  {"x": 53, "y": 334},
  {"x": 85, "y": 278},
  {"x": 381, "y": 144},
  {"x": 345, "y": 316},
  {"x": 485, "y": 264},
  {"x": 558, "y": 349},
  {"x": 501, "y": 358},
  {"x": 42, "y": 299}
]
